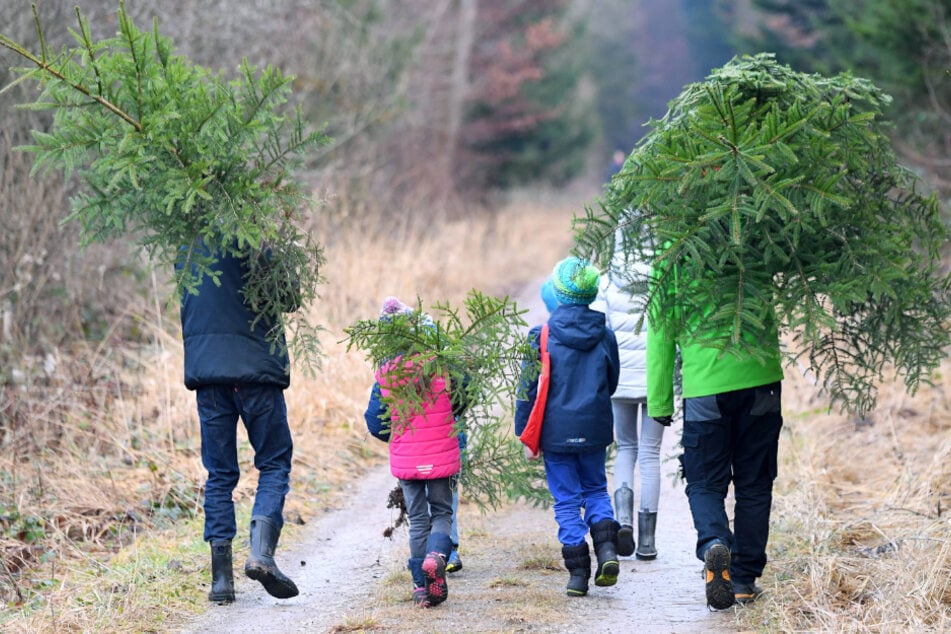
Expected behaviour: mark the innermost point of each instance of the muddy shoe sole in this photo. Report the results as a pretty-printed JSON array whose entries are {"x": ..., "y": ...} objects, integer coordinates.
[
  {"x": 719, "y": 586},
  {"x": 275, "y": 583},
  {"x": 607, "y": 573},
  {"x": 434, "y": 569}
]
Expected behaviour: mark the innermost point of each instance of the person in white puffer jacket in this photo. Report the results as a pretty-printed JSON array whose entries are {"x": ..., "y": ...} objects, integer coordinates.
[{"x": 629, "y": 405}]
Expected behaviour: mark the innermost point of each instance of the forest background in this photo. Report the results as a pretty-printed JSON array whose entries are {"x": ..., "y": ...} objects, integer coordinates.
[{"x": 459, "y": 124}]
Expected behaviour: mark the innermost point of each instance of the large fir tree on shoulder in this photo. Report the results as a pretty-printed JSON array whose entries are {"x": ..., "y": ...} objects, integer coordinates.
[{"x": 781, "y": 191}]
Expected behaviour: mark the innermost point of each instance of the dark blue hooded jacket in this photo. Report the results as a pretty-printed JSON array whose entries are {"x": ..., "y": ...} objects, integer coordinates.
[
  {"x": 220, "y": 346},
  {"x": 584, "y": 374}
]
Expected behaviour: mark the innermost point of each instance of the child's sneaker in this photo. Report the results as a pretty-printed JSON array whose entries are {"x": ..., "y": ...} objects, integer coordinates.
[
  {"x": 454, "y": 564},
  {"x": 421, "y": 598},
  {"x": 434, "y": 568},
  {"x": 746, "y": 593},
  {"x": 716, "y": 570}
]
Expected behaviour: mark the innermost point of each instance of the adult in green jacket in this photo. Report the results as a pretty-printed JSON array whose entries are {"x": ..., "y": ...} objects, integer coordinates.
[{"x": 732, "y": 419}]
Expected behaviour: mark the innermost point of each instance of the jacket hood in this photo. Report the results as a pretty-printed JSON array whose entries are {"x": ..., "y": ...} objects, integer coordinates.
[{"x": 577, "y": 326}]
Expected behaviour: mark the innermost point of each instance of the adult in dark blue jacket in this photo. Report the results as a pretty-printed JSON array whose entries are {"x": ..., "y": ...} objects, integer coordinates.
[
  {"x": 578, "y": 423},
  {"x": 237, "y": 372}
]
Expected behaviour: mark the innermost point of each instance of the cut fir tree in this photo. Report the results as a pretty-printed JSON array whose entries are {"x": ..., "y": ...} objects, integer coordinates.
[
  {"x": 481, "y": 350},
  {"x": 168, "y": 153},
  {"x": 778, "y": 193}
]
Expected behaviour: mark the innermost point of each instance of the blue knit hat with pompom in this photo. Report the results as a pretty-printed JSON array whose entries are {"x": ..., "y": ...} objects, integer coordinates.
[{"x": 575, "y": 281}]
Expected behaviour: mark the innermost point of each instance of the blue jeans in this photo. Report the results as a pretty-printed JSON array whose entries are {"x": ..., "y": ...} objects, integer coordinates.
[
  {"x": 429, "y": 509},
  {"x": 264, "y": 413},
  {"x": 727, "y": 437},
  {"x": 579, "y": 484}
]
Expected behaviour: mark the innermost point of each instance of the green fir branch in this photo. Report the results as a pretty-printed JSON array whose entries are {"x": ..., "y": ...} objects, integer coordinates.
[
  {"x": 196, "y": 157},
  {"x": 481, "y": 350},
  {"x": 779, "y": 195}
]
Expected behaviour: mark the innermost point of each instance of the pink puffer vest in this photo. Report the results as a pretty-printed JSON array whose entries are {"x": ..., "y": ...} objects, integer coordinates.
[{"x": 423, "y": 448}]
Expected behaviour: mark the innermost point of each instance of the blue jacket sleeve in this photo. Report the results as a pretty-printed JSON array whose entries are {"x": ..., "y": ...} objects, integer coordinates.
[
  {"x": 528, "y": 382},
  {"x": 377, "y": 416}
]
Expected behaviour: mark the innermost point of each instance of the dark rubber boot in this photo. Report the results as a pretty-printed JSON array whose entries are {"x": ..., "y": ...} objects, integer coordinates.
[
  {"x": 646, "y": 525},
  {"x": 604, "y": 536},
  {"x": 261, "y": 566},
  {"x": 222, "y": 573},
  {"x": 578, "y": 563},
  {"x": 624, "y": 510}
]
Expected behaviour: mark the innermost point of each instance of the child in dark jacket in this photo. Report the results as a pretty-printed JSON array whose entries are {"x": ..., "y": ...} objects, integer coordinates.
[
  {"x": 425, "y": 457},
  {"x": 578, "y": 423}
]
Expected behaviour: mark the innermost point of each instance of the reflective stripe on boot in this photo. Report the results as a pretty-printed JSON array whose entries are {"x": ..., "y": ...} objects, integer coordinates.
[
  {"x": 578, "y": 564},
  {"x": 604, "y": 536}
]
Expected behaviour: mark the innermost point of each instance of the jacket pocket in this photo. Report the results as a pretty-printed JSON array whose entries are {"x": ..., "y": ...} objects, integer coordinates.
[{"x": 702, "y": 408}]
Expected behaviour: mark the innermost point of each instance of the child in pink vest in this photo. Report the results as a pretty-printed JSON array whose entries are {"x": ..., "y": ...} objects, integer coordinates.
[{"x": 424, "y": 455}]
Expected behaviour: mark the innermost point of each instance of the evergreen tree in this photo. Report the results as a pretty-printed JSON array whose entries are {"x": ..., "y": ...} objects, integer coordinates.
[
  {"x": 779, "y": 194},
  {"x": 481, "y": 352},
  {"x": 527, "y": 120},
  {"x": 903, "y": 47},
  {"x": 167, "y": 152}
]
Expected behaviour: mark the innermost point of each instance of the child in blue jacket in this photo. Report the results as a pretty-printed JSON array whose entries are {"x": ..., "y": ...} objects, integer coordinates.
[{"x": 578, "y": 423}]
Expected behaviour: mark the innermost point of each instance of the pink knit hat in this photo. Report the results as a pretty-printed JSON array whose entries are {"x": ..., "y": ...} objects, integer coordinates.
[{"x": 393, "y": 306}]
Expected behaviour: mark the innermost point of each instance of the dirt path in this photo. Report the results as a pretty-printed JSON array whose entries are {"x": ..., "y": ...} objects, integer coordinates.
[{"x": 352, "y": 579}]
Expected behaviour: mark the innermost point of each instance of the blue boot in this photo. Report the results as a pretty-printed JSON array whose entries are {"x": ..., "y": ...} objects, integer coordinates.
[{"x": 454, "y": 564}]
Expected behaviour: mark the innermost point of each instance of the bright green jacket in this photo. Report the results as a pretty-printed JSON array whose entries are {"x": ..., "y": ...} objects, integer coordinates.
[{"x": 705, "y": 370}]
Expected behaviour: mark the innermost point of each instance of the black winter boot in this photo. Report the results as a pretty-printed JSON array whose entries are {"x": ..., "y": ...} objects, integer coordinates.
[
  {"x": 222, "y": 573},
  {"x": 261, "y": 566},
  {"x": 624, "y": 510},
  {"x": 578, "y": 562},
  {"x": 646, "y": 525},
  {"x": 604, "y": 536}
]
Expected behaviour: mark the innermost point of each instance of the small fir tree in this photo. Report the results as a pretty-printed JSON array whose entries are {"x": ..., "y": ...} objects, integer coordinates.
[
  {"x": 167, "y": 152},
  {"x": 482, "y": 353},
  {"x": 779, "y": 196}
]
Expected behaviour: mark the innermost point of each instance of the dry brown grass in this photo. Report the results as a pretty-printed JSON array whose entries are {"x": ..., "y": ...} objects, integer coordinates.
[
  {"x": 110, "y": 469},
  {"x": 860, "y": 539},
  {"x": 109, "y": 466}
]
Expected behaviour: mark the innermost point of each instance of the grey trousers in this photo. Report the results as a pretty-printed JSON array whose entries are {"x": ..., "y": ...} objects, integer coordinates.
[
  {"x": 643, "y": 452},
  {"x": 429, "y": 507}
]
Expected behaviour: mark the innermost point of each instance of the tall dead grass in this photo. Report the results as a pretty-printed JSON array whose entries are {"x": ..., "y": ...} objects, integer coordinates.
[
  {"x": 860, "y": 538},
  {"x": 101, "y": 521}
]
